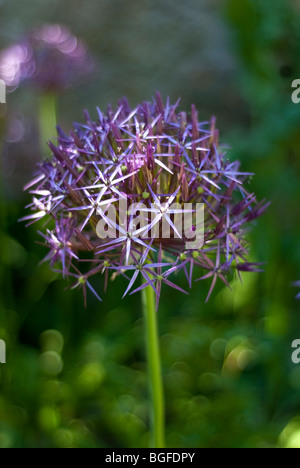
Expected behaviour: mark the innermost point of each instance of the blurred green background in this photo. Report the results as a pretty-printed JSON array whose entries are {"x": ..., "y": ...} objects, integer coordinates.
[{"x": 76, "y": 377}]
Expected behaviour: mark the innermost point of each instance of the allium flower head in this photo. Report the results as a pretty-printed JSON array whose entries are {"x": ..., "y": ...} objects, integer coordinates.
[
  {"x": 50, "y": 57},
  {"x": 127, "y": 194}
]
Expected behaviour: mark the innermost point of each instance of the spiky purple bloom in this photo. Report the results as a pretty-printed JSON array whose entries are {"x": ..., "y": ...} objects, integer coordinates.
[
  {"x": 49, "y": 57},
  {"x": 152, "y": 156}
]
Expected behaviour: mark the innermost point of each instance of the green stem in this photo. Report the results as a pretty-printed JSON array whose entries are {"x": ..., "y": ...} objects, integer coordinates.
[
  {"x": 3, "y": 210},
  {"x": 154, "y": 365},
  {"x": 47, "y": 118}
]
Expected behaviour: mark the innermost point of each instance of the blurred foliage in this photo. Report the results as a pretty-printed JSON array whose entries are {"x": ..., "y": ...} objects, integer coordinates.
[{"x": 76, "y": 377}]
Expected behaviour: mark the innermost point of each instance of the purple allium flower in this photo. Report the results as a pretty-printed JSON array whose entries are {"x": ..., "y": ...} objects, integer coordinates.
[
  {"x": 50, "y": 57},
  {"x": 115, "y": 186}
]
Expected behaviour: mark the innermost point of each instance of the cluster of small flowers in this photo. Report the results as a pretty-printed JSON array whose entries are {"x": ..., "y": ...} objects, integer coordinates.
[
  {"x": 151, "y": 156},
  {"x": 50, "y": 58}
]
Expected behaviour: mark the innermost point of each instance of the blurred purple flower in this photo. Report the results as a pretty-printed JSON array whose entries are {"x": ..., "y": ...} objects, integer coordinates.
[
  {"x": 152, "y": 156},
  {"x": 297, "y": 284},
  {"x": 49, "y": 57}
]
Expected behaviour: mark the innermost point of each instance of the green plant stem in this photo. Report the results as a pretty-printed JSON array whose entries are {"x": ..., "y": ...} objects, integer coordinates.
[
  {"x": 2, "y": 209},
  {"x": 154, "y": 369},
  {"x": 47, "y": 118}
]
